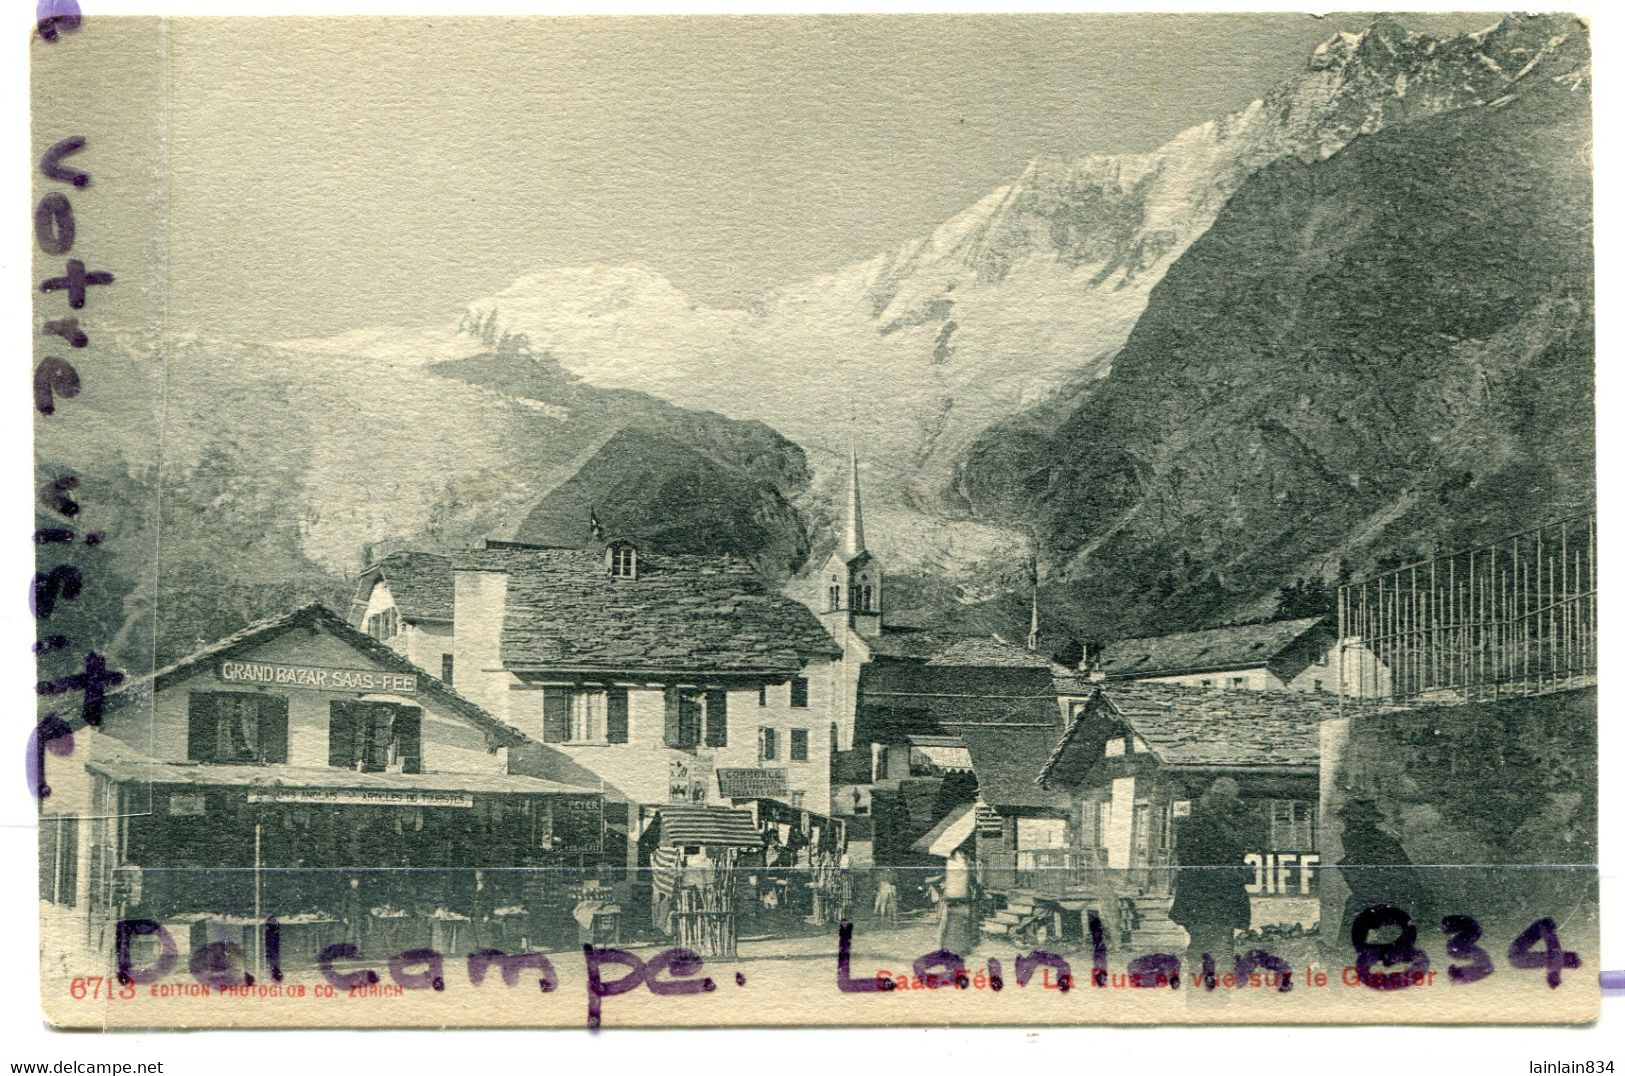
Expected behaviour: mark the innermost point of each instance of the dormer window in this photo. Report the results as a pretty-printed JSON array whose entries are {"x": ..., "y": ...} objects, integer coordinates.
[{"x": 622, "y": 558}]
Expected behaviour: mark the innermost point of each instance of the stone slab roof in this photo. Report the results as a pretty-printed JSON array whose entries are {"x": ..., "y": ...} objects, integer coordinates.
[
  {"x": 420, "y": 583},
  {"x": 1215, "y": 649},
  {"x": 1199, "y": 727},
  {"x": 689, "y": 612}
]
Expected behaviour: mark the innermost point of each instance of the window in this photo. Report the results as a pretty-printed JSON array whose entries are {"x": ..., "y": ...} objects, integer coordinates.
[
  {"x": 864, "y": 600},
  {"x": 1207, "y": 683},
  {"x": 797, "y": 799},
  {"x": 623, "y": 560},
  {"x": 584, "y": 715},
  {"x": 237, "y": 727},
  {"x": 1238, "y": 681},
  {"x": 1088, "y": 825},
  {"x": 798, "y": 692},
  {"x": 834, "y": 737},
  {"x": 445, "y": 669},
  {"x": 767, "y": 744},
  {"x": 375, "y": 737},
  {"x": 1320, "y": 687},
  {"x": 1291, "y": 825},
  {"x": 589, "y": 717},
  {"x": 690, "y": 718},
  {"x": 59, "y": 860},
  {"x": 834, "y": 592},
  {"x": 761, "y": 695},
  {"x": 798, "y": 745},
  {"x": 384, "y": 625}
]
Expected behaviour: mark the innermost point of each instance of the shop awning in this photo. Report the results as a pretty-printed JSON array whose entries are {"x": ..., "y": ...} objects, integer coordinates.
[
  {"x": 769, "y": 810},
  {"x": 944, "y": 752},
  {"x": 282, "y": 777},
  {"x": 944, "y": 838},
  {"x": 684, "y": 823}
]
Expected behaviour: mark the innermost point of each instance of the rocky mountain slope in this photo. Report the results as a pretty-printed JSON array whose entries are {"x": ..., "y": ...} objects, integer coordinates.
[
  {"x": 1387, "y": 349},
  {"x": 237, "y": 481}
]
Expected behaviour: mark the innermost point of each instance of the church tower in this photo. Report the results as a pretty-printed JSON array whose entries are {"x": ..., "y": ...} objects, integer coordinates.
[{"x": 851, "y": 579}]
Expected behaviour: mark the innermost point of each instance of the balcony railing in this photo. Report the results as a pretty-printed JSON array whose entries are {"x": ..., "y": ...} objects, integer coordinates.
[
  {"x": 1048, "y": 872},
  {"x": 1513, "y": 617}
]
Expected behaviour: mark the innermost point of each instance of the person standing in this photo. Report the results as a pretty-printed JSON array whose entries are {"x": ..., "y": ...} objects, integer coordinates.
[
  {"x": 886, "y": 897},
  {"x": 957, "y": 926},
  {"x": 1210, "y": 891},
  {"x": 1376, "y": 870}
]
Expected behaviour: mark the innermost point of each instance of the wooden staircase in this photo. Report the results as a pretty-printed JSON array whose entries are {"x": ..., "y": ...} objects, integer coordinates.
[
  {"x": 1022, "y": 919},
  {"x": 1148, "y": 925}
]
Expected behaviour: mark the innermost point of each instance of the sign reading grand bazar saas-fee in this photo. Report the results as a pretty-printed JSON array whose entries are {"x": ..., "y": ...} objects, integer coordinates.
[{"x": 318, "y": 677}]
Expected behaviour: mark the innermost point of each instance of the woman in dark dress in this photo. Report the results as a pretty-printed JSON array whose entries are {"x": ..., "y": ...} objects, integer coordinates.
[
  {"x": 1210, "y": 890},
  {"x": 1376, "y": 869}
]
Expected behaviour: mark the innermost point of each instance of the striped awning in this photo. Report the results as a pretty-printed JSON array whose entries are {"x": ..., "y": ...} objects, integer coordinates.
[{"x": 685, "y": 823}]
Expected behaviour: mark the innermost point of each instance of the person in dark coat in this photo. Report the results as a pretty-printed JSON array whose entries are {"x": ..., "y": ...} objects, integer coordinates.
[
  {"x": 1210, "y": 890},
  {"x": 1375, "y": 868}
]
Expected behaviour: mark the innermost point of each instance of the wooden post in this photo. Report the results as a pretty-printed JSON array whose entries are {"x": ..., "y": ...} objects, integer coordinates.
[{"x": 259, "y": 919}]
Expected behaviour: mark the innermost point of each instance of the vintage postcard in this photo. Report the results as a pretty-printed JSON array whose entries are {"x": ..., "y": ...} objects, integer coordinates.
[{"x": 814, "y": 520}]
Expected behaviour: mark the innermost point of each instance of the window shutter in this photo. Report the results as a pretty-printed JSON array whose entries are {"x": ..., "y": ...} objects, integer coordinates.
[
  {"x": 200, "y": 730},
  {"x": 555, "y": 714},
  {"x": 716, "y": 718},
  {"x": 409, "y": 738},
  {"x": 341, "y": 734},
  {"x": 273, "y": 730},
  {"x": 617, "y": 726},
  {"x": 674, "y": 731},
  {"x": 377, "y": 725}
]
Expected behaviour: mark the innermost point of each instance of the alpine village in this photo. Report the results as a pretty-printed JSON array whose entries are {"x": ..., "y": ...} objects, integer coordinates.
[{"x": 616, "y": 734}]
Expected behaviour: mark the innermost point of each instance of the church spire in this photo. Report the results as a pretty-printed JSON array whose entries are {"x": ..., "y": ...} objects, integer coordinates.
[{"x": 852, "y": 545}]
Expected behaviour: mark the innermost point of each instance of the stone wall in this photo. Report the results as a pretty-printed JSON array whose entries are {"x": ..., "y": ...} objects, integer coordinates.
[{"x": 1468, "y": 791}]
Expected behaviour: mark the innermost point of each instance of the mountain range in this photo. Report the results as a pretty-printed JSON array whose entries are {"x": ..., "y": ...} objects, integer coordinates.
[
  {"x": 1028, "y": 293},
  {"x": 1350, "y": 318}
]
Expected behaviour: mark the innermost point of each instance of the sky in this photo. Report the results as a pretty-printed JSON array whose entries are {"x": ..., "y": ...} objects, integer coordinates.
[{"x": 325, "y": 175}]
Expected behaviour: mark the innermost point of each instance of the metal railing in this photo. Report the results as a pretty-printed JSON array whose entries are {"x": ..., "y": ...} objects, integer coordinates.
[{"x": 1513, "y": 617}]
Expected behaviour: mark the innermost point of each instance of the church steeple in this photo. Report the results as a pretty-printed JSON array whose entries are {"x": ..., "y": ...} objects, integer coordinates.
[
  {"x": 852, "y": 544},
  {"x": 851, "y": 580}
]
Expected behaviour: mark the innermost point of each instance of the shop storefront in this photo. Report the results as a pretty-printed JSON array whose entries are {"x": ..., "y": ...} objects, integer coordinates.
[
  {"x": 382, "y": 861},
  {"x": 1137, "y": 761},
  {"x": 302, "y": 779},
  {"x": 695, "y": 856}
]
